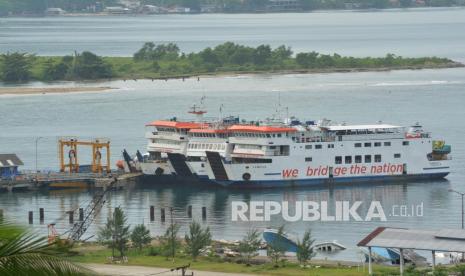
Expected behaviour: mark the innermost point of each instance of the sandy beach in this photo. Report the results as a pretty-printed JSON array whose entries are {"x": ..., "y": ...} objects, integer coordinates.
[{"x": 50, "y": 90}]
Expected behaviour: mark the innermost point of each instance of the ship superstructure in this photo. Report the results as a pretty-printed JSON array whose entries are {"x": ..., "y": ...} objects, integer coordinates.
[{"x": 317, "y": 153}]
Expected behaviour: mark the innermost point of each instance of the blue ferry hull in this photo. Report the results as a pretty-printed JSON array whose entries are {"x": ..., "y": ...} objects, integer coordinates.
[{"x": 326, "y": 181}]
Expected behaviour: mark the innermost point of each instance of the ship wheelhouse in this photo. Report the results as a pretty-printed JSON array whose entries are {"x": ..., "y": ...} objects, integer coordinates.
[
  {"x": 257, "y": 144},
  {"x": 206, "y": 139},
  {"x": 168, "y": 137}
]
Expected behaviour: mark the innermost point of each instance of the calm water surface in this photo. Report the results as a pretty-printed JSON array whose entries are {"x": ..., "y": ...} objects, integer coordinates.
[
  {"x": 413, "y": 32},
  {"x": 433, "y": 97}
]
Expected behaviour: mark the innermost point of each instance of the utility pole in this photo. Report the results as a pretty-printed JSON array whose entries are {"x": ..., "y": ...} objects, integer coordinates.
[
  {"x": 172, "y": 234},
  {"x": 462, "y": 195},
  {"x": 463, "y": 211},
  {"x": 36, "y": 142}
]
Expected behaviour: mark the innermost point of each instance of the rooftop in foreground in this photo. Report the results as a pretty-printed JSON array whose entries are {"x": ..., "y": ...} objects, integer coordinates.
[{"x": 445, "y": 240}]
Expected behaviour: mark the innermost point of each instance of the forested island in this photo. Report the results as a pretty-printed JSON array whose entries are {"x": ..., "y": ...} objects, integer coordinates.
[
  {"x": 118, "y": 7},
  {"x": 164, "y": 61}
]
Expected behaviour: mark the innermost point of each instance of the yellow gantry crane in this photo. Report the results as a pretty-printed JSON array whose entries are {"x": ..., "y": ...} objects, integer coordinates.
[{"x": 69, "y": 146}]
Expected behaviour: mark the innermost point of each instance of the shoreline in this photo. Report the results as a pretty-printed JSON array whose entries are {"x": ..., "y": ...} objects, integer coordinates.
[
  {"x": 360, "y": 10},
  {"x": 51, "y": 90},
  {"x": 21, "y": 90},
  {"x": 321, "y": 71}
]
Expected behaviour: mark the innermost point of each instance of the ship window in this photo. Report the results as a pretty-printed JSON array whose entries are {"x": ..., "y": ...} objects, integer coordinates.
[
  {"x": 348, "y": 159},
  {"x": 377, "y": 144},
  {"x": 367, "y": 158},
  {"x": 405, "y": 143},
  {"x": 308, "y": 146},
  {"x": 330, "y": 146},
  {"x": 308, "y": 140},
  {"x": 358, "y": 159},
  {"x": 358, "y": 145},
  {"x": 367, "y": 145},
  {"x": 274, "y": 135},
  {"x": 272, "y": 147},
  {"x": 308, "y": 159},
  {"x": 378, "y": 158},
  {"x": 268, "y": 136},
  {"x": 387, "y": 144},
  {"x": 318, "y": 146},
  {"x": 397, "y": 155},
  {"x": 279, "y": 134},
  {"x": 338, "y": 160}
]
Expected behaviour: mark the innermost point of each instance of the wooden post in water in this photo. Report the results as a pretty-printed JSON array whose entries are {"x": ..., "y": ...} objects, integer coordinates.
[
  {"x": 81, "y": 214},
  {"x": 71, "y": 217},
  {"x": 41, "y": 215},
  {"x": 204, "y": 213},
  {"x": 163, "y": 214},
  {"x": 1, "y": 214},
  {"x": 152, "y": 213},
  {"x": 189, "y": 211},
  {"x": 31, "y": 217}
]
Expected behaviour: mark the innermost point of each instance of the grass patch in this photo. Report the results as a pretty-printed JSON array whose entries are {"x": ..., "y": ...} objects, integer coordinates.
[{"x": 99, "y": 254}]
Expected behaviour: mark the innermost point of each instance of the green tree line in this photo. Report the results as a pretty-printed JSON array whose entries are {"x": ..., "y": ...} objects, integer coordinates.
[
  {"x": 38, "y": 6},
  {"x": 166, "y": 60}
]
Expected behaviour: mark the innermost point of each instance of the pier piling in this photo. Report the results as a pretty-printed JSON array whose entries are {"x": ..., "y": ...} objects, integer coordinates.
[
  {"x": 163, "y": 214},
  {"x": 41, "y": 215},
  {"x": 204, "y": 213},
  {"x": 31, "y": 217},
  {"x": 152, "y": 213},
  {"x": 71, "y": 217},
  {"x": 81, "y": 214},
  {"x": 189, "y": 211}
]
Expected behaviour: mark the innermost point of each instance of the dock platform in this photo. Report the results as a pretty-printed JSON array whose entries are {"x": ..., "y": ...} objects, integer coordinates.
[{"x": 56, "y": 180}]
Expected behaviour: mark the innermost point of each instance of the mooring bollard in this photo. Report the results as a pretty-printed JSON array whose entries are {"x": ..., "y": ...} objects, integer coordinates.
[
  {"x": 152, "y": 213},
  {"x": 163, "y": 214},
  {"x": 189, "y": 211},
  {"x": 41, "y": 215},
  {"x": 81, "y": 214},
  {"x": 31, "y": 218},
  {"x": 204, "y": 213},
  {"x": 71, "y": 217}
]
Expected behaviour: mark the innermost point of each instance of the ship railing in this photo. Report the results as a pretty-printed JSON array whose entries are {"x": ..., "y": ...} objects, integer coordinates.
[
  {"x": 314, "y": 139},
  {"x": 363, "y": 137}
]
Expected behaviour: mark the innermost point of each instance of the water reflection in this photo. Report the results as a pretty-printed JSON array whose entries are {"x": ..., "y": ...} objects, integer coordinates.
[{"x": 136, "y": 202}]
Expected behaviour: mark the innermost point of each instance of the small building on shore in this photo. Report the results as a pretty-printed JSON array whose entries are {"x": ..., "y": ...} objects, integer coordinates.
[
  {"x": 9, "y": 164},
  {"x": 283, "y": 5},
  {"x": 54, "y": 12},
  {"x": 117, "y": 10}
]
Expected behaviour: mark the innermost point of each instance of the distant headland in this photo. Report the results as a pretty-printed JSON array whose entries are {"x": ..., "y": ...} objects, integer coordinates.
[
  {"x": 165, "y": 61},
  {"x": 128, "y": 7}
]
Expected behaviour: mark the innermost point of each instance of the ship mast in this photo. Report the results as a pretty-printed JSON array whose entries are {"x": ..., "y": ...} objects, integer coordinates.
[{"x": 198, "y": 110}]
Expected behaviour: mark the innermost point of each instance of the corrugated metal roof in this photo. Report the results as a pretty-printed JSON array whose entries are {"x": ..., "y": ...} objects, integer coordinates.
[
  {"x": 451, "y": 233},
  {"x": 10, "y": 160},
  {"x": 439, "y": 240}
]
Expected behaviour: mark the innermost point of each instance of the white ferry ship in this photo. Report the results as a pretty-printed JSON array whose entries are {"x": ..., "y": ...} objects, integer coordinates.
[
  {"x": 293, "y": 153},
  {"x": 176, "y": 150},
  {"x": 298, "y": 154}
]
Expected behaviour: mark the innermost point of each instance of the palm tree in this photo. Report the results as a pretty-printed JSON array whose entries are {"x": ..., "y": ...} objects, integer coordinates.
[{"x": 23, "y": 253}]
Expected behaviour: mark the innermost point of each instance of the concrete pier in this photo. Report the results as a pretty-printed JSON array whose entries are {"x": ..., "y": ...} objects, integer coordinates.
[{"x": 55, "y": 181}]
